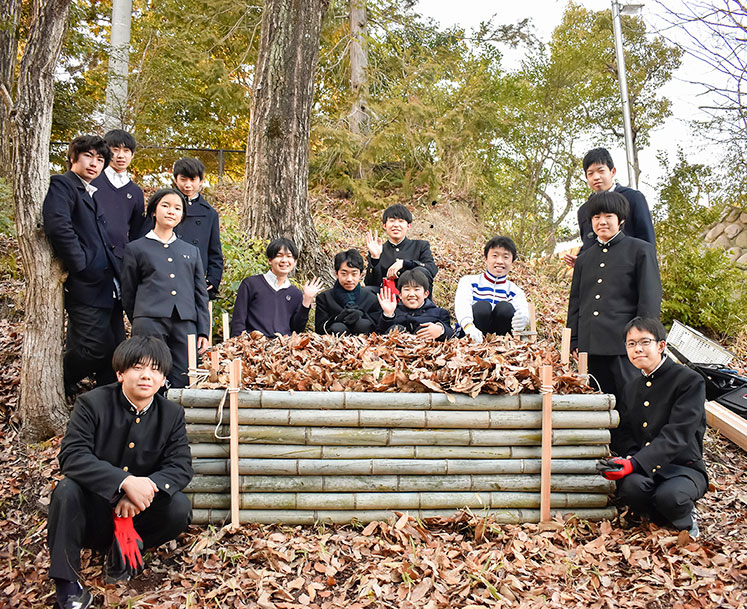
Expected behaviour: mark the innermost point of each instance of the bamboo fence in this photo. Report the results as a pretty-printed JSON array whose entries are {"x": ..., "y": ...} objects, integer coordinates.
[{"x": 306, "y": 457}]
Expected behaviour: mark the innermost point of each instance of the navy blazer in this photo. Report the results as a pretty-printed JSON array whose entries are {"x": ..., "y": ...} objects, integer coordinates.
[
  {"x": 158, "y": 278},
  {"x": 76, "y": 228},
  {"x": 106, "y": 441},
  {"x": 612, "y": 284},
  {"x": 638, "y": 224},
  {"x": 124, "y": 210}
]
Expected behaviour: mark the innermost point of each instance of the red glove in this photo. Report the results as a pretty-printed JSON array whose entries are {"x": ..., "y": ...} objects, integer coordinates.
[
  {"x": 128, "y": 543},
  {"x": 616, "y": 468},
  {"x": 391, "y": 284}
]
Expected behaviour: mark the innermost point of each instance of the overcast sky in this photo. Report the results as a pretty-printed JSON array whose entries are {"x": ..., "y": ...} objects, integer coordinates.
[{"x": 546, "y": 15}]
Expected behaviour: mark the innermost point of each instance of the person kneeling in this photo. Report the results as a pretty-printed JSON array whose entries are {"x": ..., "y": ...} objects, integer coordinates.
[
  {"x": 347, "y": 308},
  {"x": 416, "y": 313},
  {"x": 126, "y": 458},
  {"x": 489, "y": 303},
  {"x": 661, "y": 432}
]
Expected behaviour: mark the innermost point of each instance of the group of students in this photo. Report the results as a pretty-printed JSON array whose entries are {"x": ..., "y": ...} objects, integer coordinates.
[{"x": 125, "y": 454}]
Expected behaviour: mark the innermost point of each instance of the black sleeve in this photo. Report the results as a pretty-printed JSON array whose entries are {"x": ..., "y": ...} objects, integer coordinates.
[
  {"x": 214, "y": 270},
  {"x": 129, "y": 281},
  {"x": 373, "y": 272},
  {"x": 574, "y": 303},
  {"x": 445, "y": 320},
  {"x": 201, "y": 299},
  {"x": 323, "y": 313},
  {"x": 240, "y": 307},
  {"x": 424, "y": 260},
  {"x": 175, "y": 470},
  {"x": 58, "y": 224},
  {"x": 137, "y": 219},
  {"x": 649, "y": 283},
  {"x": 642, "y": 226}
]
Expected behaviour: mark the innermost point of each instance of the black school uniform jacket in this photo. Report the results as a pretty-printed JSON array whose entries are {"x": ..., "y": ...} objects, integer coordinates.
[
  {"x": 663, "y": 421},
  {"x": 200, "y": 228},
  {"x": 412, "y": 319},
  {"x": 106, "y": 440},
  {"x": 327, "y": 308},
  {"x": 638, "y": 224},
  {"x": 158, "y": 278},
  {"x": 414, "y": 253},
  {"x": 76, "y": 228},
  {"x": 612, "y": 284}
]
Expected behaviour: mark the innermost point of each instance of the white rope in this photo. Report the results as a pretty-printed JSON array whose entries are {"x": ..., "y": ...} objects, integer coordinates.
[{"x": 220, "y": 416}]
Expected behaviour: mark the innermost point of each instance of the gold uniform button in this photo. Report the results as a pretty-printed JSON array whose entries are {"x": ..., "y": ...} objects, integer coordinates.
[
  {"x": 646, "y": 403},
  {"x": 645, "y": 424},
  {"x": 596, "y": 313},
  {"x": 126, "y": 469},
  {"x": 170, "y": 259},
  {"x": 167, "y": 486},
  {"x": 658, "y": 467},
  {"x": 653, "y": 471},
  {"x": 648, "y": 383},
  {"x": 597, "y": 296},
  {"x": 165, "y": 244},
  {"x": 647, "y": 443},
  {"x": 137, "y": 420},
  {"x": 599, "y": 280},
  {"x": 173, "y": 292},
  {"x": 172, "y": 275},
  {"x": 131, "y": 445},
  {"x": 604, "y": 250},
  {"x": 602, "y": 265}
]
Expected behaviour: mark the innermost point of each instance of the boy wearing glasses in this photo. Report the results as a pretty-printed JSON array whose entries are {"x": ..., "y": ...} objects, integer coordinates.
[{"x": 661, "y": 433}]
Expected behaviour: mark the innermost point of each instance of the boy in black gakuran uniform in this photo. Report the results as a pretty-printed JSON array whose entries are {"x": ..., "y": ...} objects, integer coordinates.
[{"x": 661, "y": 470}]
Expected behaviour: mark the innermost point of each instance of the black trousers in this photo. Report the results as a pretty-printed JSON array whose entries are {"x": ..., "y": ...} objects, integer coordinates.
[
  {"x": 80, "y": 519},
  {"x": 173, "y": 331},
  {"x": 671, "y": 498},
  {"x": 612, "y": 373},
  {"x": 493, "y": 320},
  {"x": 362, "y": 326},
  {"x": 92, "y": 336}
]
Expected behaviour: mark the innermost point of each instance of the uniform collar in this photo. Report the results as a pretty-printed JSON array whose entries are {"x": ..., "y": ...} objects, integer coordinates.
[
  {"x": 615, "y": 239},
  {"x": 152, "y": 235},
  {"x": 118, "y": 180},
  {"x": 655, "y": 370},
  {"x": 273, "y": 281},
  {"x": 90, "y": 188},
  {"x": 493, "y": 279},
  {"x": 132, "y": 408}
]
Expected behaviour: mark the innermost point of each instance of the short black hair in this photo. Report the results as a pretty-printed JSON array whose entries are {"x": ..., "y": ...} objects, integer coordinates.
[
  {"x": 500, "y": 241},
  {"x": 351, "y": 257},
  {"x": 142, "y": 350},
  {"x": 397, "y": 212},
  {"x": 281, "y": 243},
  {"x": 121, "y": 138},
  {"x": 413, "y": 277},
  {"x": 150, "y": 210},
  {"x": 607, "y": 202},
  {"x": 84, "y": 143},
  {"x": 598, "y": 156},
  {"x": 646, "y": 324},
  {"x": 189, "y": 167}
]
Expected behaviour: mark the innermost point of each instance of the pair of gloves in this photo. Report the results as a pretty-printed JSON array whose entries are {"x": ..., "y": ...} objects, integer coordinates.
[
  {"x": 349, "y": 317},
  {"x": 476, "y": 334}
]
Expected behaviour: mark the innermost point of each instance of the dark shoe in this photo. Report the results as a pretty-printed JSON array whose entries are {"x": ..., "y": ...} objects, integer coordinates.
[{"x": 82, "y": 600}]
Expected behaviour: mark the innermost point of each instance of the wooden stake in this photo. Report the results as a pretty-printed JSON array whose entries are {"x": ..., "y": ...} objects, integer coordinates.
[
  {"x": 214, "y": 363},
  {"x": 210, "y": 323},
  {"x": 583, "y": 363},
  {"x": 546, "y": 390},
  {"x": 727, "y": 422},
  {"x": 226, "y": 327},
  {"x": 234, "y": 381},
  {"x": 565, "y": 346},
  {"x": 532, "y": 317},
  {"x": 192, "y": 357}
]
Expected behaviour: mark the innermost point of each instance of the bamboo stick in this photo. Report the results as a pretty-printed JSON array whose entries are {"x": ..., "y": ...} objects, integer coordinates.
[
  {"x": 532, "y": 318},
  {"x": 583, "y": 365},
  {"x": 312, "y": 517},
  {"x": 369, "y": 467},
  {"x": 591, "y": 483},
  {"x": 192, "y": 357},
  {"x": 397, "y": 501},
  {"x": 410, "y": 418},
  {"x": 298, "y": 451},
  {"x": 226, "y": 327},
  {"x": 565, "y": 346},
  {"x": 214, "y": 360},
  {"x": 341, "y": 400},
  {"x": 349, "y": 436},
  {"x": 235, "y": 379},
  {"x": 547, "y": 428},
  {"x": 210, "y": 323}
]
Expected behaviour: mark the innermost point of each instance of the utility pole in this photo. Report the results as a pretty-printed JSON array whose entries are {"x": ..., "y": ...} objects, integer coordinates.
[
  {"x": 617, "y": 10},
  {"x": 119, "y": 65}
]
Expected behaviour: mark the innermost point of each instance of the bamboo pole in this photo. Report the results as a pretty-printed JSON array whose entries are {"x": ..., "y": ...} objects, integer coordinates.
[
  {"x": 371, "y": 467},
  {"x": 313, "y": 517},
  {"x": 410, "y": 418},
  {"x": 210, "y": 450},
  {"x": 235, "y": 379},
  {"x": 226, "y": 327},
  {"x": 348, "y": 400},
  {"x": 591, "y": 483},
  {"x": 372, "y": 436},
  {"x": 546, "y": 501},
  {"x": 210, "y": 323},
  {"x": 192, "y": 357},
  {"x": 565, "y": 346}
]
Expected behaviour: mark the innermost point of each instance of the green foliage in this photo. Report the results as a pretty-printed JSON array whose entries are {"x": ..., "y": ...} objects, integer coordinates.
[
  {"x": 701, "y": 286},
  {"x": 242, "y": 257},
  {"x": 7, "y": 222}
]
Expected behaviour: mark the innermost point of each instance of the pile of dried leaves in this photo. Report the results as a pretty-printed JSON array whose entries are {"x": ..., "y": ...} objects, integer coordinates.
[
  {"x": 394, "y": 362},
  {"x": 466, "y": 561},
  {"x": 10, "y": 366}
]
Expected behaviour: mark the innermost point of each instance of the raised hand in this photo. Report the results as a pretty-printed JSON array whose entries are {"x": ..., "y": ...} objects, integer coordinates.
[
  {"x": 387, "y": 302},
  {"x": 310, "y": 290},
  {"x": 374, "y": 244}
]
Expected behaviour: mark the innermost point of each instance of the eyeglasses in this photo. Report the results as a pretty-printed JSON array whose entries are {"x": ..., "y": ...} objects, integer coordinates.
[{"x": 643, "y": 342}]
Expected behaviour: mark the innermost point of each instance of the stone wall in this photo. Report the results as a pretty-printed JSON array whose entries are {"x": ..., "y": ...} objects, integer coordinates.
[{"x": 730, "y": 233}]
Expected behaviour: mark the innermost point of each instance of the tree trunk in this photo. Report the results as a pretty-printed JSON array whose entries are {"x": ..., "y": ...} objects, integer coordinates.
[
  {"x": 41, "y": 404},
  {"x": 9, "y": 12},
  {"x": 119, "y": 65},
  {"x": 276, "y": 201},
  {"x": 358, "y": 67}
]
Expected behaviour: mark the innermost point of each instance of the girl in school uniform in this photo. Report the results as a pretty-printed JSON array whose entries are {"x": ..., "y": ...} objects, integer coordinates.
[{"x": 163, "y": 284}]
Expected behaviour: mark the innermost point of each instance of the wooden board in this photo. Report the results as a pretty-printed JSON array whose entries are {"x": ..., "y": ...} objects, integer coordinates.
[{"x": 728, "y": 423}]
